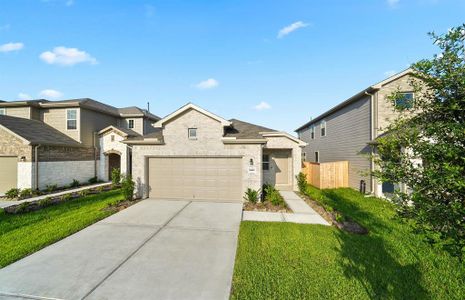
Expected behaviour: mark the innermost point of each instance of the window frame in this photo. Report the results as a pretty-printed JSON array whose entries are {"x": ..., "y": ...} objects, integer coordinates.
[
  {"x": 397, "y": 106},
  {"x": 70, "y": 119},
  {"x": 133, "y": 123},
  {"x": 189, "y": 135},
  {"x": 265, "y": 162},
  {"x": 317, "y": 156},
  {"x": 323, "y": 128}
]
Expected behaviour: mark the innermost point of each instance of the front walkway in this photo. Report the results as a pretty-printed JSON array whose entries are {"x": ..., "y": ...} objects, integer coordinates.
[
  {"x": 155, "y": 249},
  {"x": 302, "y": 212}
]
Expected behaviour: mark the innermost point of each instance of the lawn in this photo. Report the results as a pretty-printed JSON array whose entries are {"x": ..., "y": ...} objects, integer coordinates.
[
  {"x": 23, "y": 234},
  {"x": 293, "y": 261}
]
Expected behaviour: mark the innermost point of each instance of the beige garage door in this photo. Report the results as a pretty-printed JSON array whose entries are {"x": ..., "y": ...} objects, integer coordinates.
[
  {"x": 8, "y": 173},
  {"x": 196, "y": 178}
]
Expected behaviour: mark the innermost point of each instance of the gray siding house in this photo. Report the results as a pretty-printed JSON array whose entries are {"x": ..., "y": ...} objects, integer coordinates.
[{"x": 346, "y": 131}]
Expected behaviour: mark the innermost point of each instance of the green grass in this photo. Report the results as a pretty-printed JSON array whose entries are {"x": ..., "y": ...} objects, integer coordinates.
[
  {"x": 23, "y": 234},
  {"x": 294, "y": 261}
]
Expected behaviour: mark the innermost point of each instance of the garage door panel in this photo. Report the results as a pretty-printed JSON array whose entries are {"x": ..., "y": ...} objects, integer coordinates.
[{"x": 203, "y": 178}]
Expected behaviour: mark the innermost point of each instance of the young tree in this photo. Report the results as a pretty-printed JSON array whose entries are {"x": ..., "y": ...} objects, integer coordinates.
[{"x": 425, "y": 147}]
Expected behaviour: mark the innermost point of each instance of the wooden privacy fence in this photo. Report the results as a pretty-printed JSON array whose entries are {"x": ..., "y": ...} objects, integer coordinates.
[{"x": 327, "y": 175}]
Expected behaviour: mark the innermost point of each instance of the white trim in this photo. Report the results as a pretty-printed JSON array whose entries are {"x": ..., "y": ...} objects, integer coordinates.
[{"x": 159, "y": 124}]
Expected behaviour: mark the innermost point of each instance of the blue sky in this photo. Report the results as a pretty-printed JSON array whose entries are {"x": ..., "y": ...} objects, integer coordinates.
[{"x": 275, "y": 63}]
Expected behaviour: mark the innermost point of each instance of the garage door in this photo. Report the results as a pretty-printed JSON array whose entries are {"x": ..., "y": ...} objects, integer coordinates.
[
  {"x": 196, "y": 178},
  {"x": 8, "y": 173}
]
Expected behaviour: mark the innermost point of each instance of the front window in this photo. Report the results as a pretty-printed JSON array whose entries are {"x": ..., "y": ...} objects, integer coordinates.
[
  {"x": 2, "y": 111},
  {"x": 266, "y": 162},
  {"x": 131, "y": 124},
  {"x": 71, "y": 119},
  {"x": 323, "y": 128},
  {"x": 192, "y": 133},
  {"x": 404, "y": 100}
]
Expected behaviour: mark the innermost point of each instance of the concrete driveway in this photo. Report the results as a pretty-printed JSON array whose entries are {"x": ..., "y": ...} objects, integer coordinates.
[{"x": 156, "y": 249}]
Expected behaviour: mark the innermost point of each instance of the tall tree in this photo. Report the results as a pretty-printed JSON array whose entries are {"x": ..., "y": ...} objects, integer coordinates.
[{"x": 425, "y": 146}]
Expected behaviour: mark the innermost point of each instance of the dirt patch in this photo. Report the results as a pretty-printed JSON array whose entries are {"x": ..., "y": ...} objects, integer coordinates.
[
  {"x": 265, "y": 207},
  {"x": 335, "y": 218}
]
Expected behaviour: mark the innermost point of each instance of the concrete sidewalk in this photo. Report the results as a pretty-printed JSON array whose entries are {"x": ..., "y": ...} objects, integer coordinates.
[
  {"x": 156, "y": 249},
  {"x": 302, "y": 212}
]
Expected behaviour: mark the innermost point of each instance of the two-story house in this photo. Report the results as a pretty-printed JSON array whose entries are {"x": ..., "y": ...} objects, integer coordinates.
[
  {"x": 347, "y": 131},
  {"x": 53, "y": 142}
]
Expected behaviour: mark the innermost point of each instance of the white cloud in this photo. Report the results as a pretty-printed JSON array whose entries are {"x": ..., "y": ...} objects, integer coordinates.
[
  {"x": 24, "y": 96},
  {"x": 293, "y": 27},
  {"x": 67, "y": 56},
  {"x": 262, "y": 106},
  {"x": 390, "y": 73},
  {"x": 11, "y": 47},
  {"x": 207, "y": 84},
  {"x": 393, "y": 3},
  {"x": 50, "y": 94}
]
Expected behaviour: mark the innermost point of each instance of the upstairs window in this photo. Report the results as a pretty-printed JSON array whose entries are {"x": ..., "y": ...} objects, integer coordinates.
[
  {"x": 71, "y": 119},
  {"x": 404, "y": 101},
  {"x": 266, "y": 162},
  {"x": 131, "y": 124},
  {"x": 2, "y": 111},
  {"x": 192, "y": 133},
  {"x": 323, "y": 128}
]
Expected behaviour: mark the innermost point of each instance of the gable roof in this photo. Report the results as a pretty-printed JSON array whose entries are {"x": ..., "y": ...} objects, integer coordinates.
[
  {"x": 370, "y": 89},
  {"x": 187, "y": 107},
  {"x": 36, "y": 132}
]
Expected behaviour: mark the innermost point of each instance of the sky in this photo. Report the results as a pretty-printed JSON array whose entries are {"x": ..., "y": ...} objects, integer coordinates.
[{"x": 273, "y": 63}]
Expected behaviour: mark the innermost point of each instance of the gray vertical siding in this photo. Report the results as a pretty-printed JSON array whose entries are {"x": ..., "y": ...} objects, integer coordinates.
[{"x": 347, "y": 135}]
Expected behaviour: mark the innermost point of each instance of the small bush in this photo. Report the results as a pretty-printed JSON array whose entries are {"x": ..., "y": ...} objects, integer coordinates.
[
  {"x": 51, "y": 187},
  {"x": 12, "y": 193},
  {"x": 116, "y": 176},
  {"x": 127, "y": 187},
  {"x": 93, "y": 180},
  {"x": 302, "y": 182},
  {"x": 251, "y": 195},
  {"x": 74, "y": 184},
  {"x": 66, "y": 197},
  {"x": 25, "y": 193},
  {"x": 273, "y": 196},
  {"x": 45, "y": 202}
]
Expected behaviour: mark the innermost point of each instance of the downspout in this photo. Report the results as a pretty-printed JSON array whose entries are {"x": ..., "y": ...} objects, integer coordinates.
[
  {"x": 36, "y": 160},
  {"x": 372, "y": 137}
]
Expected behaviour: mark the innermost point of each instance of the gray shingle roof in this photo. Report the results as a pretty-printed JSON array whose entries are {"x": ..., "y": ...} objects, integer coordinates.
[
  {"x": 37, "y": 132},
  {"x": 244, "y": 130}
]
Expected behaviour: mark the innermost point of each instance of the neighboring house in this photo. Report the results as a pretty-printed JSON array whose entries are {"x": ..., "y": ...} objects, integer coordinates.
[
  {"x": 347, "y": 131},
  {"x": 53, "y": 142},
  {"x": 194, "y": 154}
]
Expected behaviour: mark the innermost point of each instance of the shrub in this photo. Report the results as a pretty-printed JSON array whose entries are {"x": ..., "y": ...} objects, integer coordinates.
[
  {"x": 302, "y": 182},
  {"x": 127, "y": 187},
  {"x": 45, "y": 202},
  {"x": 66, "y": 197},
  {"x": 93, "y": 180},
  {"x": 51, "y": 187},
  {"x": 25, "y": 193},
  {"x": 272, "y": 195},
  {"x": 12, "y": 193},
  {"x": 115, "y": 176},
  {"x": 74, "y": 184},
  {"x": 251, "y": 195}
]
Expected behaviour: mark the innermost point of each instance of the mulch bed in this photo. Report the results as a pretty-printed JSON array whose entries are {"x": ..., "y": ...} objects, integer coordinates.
[
  {"x": 347, "y": 224},
  {"x": 265, "y": 207}
]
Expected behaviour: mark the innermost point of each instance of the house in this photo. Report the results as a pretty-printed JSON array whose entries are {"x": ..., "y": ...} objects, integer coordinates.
[
  {"x": 54, "y": 142},
  {"x": 194, "y": 154},
  {"x": 346, "y": 131},
  {"x": 189, "y": 154}
]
